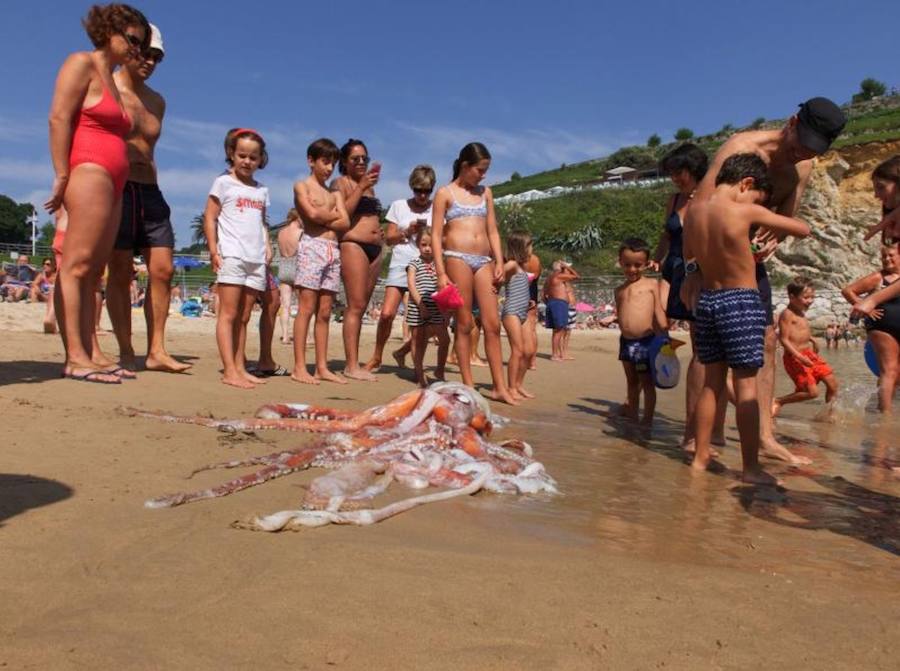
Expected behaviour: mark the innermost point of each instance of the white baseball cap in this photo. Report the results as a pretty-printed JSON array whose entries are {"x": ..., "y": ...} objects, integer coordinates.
[{"x": 156, "y": 41}]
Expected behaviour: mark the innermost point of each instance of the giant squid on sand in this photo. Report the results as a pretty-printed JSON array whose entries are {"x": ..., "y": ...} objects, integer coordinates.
[{"x": 427, "y": 437}]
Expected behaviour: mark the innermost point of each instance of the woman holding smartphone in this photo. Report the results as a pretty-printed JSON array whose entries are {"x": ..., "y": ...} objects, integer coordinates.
[
  {"x": 405, "y": 217},
  {"x": 360, "y": 246}
]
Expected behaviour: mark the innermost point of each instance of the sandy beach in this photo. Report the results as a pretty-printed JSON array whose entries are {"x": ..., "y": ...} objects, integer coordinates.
[{"x": 636, "y": 565}]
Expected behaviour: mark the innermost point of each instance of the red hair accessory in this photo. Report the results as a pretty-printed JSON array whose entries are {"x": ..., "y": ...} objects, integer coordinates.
[{"x": 241, "y": 131}]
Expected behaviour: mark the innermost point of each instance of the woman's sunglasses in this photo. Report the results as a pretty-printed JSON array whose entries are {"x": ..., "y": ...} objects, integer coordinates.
[
  {"x": 132, "y": 39},
  {"x": 364, "y": 160},
  {"x": 422, "y": 192}
]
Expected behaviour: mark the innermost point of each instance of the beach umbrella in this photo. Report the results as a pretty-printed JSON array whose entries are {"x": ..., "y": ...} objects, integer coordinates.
[
  {"x": 183, "y": 263},
  {"x": 584, "y": 307}
]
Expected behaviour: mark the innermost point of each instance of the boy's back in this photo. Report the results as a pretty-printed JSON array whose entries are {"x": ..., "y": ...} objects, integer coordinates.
[{"x": 717, "y": 232}]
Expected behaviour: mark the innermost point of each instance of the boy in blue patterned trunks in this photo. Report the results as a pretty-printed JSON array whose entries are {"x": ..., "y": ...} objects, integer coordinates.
[{"x": 730, "y": 317}]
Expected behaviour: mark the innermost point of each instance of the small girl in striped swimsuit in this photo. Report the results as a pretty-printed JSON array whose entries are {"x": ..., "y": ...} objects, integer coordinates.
[
  {"x": 422, "y": 315},
  {"x": 516, "y": 304}
]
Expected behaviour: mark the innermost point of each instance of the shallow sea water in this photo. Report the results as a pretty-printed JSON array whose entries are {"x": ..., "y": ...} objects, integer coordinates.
[{"x": 631, "y": 490}]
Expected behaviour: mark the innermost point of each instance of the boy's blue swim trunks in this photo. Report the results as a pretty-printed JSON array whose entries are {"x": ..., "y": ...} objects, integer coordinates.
[
  {"x": 636, "y": 351},
  {"x": 730, "y": 327}
]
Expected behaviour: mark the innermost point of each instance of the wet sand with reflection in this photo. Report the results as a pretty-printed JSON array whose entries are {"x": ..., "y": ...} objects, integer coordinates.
[{"x": 638, "y": 564}]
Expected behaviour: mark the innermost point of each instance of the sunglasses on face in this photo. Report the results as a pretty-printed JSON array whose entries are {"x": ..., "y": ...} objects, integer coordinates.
[
  {"x": 132, "y": 39},
  {"x": 422, "y": 192},
  {"x": 154, "y": 55},
  {"x": 364, "y": 160}
]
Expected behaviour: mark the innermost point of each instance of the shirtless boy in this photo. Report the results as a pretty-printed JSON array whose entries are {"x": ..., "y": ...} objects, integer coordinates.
[
  {"x": 318, "y": 279},
  {"x": 641, "y": 317},
  {"x": 556, "y": 298},
  {"x": 801, "y": 352},
  {"x": 788, "y": 154},
  {"x": 730, "y": 316},
  {"x": 145, "y": 227}
]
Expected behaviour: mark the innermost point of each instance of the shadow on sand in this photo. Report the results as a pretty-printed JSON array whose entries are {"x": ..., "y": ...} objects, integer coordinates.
[
  {"x": 27, "y": 372},
  {"x": 19, "y": 493},
  {"x": 846, "y": 509}
]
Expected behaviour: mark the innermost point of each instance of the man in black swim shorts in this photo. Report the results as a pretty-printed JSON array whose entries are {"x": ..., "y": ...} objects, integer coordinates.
[{"x": 145, "y": 226}]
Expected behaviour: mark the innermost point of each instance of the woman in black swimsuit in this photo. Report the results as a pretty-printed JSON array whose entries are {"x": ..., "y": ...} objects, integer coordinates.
[
  {"x": 360, "y": 246},
  {"x": 686, "y": 166}
]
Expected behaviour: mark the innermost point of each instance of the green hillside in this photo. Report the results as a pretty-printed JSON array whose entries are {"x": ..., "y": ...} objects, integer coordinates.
[{"x": 587, "y": 227}]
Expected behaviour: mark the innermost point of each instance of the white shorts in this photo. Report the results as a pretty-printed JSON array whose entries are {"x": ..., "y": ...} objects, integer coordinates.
[
  {"x": 396, "y": 277},
  {"x": 242, "y": 273}
]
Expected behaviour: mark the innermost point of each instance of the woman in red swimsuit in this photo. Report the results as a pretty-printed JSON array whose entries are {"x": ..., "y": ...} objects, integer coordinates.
[{"x": 88, "y": 127}]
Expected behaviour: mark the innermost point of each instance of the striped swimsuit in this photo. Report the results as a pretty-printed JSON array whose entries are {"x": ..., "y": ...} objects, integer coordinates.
[
  {"x": 517, "y": 296},
  {"x": 426, "y": 284}
]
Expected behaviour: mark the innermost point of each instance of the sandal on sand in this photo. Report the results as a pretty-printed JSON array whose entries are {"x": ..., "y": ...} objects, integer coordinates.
[
  {"x": 281, "y": 371},
  {"x": 121, "y": 373},
  {"x": 91, "y": 376}
]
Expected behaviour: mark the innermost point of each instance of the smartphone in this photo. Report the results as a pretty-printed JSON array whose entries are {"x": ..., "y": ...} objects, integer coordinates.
[{"x": 375, "y": 169}]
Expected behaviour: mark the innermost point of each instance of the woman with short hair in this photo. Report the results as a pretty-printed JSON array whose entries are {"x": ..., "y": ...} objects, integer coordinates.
[
  {"x": 88, "y": 126},
  {"x": 405, "y": 218}
]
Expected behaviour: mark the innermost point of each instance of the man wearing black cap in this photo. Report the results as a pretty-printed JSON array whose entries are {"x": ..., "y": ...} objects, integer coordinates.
[
  {"x": 145, "y": 227},
  {"x": 789, "y": 154}
]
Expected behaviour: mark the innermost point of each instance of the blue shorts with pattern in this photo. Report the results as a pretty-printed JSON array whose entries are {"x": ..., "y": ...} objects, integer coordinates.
[
  {"x": 731, "y": 327},
  {"x": 636, "y": 351}
]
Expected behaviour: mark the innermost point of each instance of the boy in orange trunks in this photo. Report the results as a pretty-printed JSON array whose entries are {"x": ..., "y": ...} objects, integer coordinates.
[{"x": 801, "y": 353}]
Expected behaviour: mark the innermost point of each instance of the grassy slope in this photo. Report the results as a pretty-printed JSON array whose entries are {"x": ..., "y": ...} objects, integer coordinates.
[{"x": 639, "y": 212}]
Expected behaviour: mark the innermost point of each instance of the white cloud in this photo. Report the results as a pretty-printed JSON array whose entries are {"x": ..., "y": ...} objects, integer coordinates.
[{"x": 16, "y": 130}]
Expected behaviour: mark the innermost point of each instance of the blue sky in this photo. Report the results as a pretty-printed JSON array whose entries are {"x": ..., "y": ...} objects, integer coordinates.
[{"x": 540, "y": 83}]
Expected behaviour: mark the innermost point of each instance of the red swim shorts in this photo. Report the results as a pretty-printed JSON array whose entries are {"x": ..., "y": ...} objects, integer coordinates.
[{"x": 805, "y": 377}]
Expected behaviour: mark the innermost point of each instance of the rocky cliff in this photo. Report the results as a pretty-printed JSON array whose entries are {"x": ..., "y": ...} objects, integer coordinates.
[{"x": 838, "y": 205}]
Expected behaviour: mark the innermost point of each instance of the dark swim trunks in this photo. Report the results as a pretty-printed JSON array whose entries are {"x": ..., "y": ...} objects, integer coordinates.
[
  {"x": 765, "y": 293},
  {"x": 636, "y": 351},
  {"x": 145, "y": 219},
  {"x": 730, "y": 327},
  {"x": 557, "y": 314}
]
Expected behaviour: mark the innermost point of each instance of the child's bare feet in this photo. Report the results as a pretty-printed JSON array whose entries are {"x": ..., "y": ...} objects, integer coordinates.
[
  {"x": 478, "y": 361},
  {"x": 690, "y": 446},
  {"x": 328, "y": 376},
  {"x": 360, "y": 374},
  {"x": 399, "y": 358},
  {"x": 503, "y": 397},
  {"x": 302, "y": 375},
  {"x": 440, "y": 375},
  {"x": 699, "y": 464},
  {"x": 524, "y": 392},
  {"x": 251, "y": 378},
  {"x": 556, "y": 358},
  {"x": 373, "y": 365},
  {"x": 238, "y": 380}
]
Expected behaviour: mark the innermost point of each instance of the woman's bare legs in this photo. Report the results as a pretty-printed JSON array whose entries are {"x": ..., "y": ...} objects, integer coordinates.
[
  {"x": 531, "y": 337},
  {"x": 392, "y": 299},
  {"x": 887, "y": 349},
  {"x": 286, "y": 291},
  {"x": 93, "y": 209},
  {"x": 271, "y": 302},
  {"x": 248, "y": 300},
  {"x": 359, "y": 277}
]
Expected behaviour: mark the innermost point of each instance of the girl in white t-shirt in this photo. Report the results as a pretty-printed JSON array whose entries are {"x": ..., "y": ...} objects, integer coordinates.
[
  {"x": 235, "y": 226},
  {"x": 405, "y": 219}
]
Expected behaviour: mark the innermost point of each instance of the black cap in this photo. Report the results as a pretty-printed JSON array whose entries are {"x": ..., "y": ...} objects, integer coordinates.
[{"x": 820, "y": 122}]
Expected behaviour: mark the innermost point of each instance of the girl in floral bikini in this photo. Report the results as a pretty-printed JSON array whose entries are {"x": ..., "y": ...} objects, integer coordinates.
[{"x": 472, "y": 259}]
